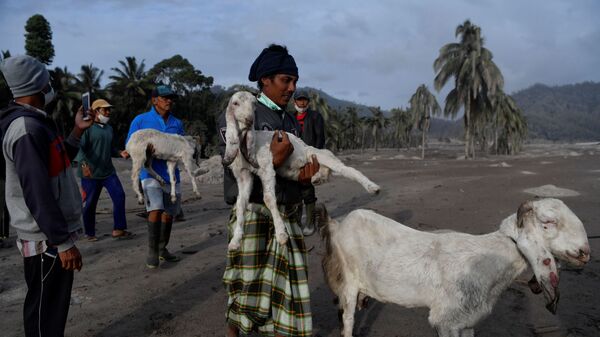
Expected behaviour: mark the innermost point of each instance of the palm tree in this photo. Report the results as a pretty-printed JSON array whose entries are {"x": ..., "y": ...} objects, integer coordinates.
[
  {"x": 424, "y": 105},
  {"x": 130, "y": 83},
  {"x": 476, "y": 76},
  {"x": 89, "y": 79},
  {"x": 402, "y": 123},
  {"x": 66, "y": 98},
  {"x": 509, "y": 125},
  {"x": 377, "y": 123},
  {"x": 353, "y": 122}
]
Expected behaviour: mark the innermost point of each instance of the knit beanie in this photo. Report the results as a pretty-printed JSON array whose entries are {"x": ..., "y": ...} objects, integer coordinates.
[
  {"x": 273, "y": 60},
  {"x": 24, "y": 75}
]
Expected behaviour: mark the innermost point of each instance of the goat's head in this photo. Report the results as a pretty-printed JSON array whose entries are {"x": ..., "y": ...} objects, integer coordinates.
[
  {"x": 240, "y": 126},
  {"x": 545, "y": 229}
]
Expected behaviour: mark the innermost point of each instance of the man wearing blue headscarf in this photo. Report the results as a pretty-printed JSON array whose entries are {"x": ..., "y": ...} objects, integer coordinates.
[{"x": 267, "y": 283}]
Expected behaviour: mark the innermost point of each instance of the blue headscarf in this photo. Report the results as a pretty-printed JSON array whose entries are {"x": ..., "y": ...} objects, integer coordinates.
[{"x": 273, "y": 60}]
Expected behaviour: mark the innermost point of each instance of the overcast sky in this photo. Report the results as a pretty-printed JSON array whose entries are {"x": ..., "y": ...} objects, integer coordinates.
[{"x": 370, "y": 52}]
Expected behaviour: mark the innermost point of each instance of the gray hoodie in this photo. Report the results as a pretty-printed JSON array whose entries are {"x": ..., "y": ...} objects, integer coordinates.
[{"x": 42, "y": 194}]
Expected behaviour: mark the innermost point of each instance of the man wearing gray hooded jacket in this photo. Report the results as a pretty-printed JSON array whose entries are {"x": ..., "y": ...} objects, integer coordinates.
[{"x": 42, "y": 194}]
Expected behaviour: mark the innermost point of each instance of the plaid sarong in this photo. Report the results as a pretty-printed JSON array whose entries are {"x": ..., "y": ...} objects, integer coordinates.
[{"x": 267, "y": 283}]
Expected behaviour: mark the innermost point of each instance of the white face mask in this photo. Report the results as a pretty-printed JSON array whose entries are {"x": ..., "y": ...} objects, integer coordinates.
[
  {"x": 49, "y": 96},
  {"x": 299, "y": 109},
  {"x": 103, "y": 119}
]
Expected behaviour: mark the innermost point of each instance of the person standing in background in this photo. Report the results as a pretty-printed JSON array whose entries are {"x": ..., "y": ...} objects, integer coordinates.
[
  {"x": 96, "y": 171},
  {"x": 312, "y": 132}
]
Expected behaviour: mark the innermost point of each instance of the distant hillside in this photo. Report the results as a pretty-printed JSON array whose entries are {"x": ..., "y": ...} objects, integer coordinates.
[
  {"x": 566, "y": 113},
  {"x": 341, "y": 105},
  {"x": 559, "y": 113}
]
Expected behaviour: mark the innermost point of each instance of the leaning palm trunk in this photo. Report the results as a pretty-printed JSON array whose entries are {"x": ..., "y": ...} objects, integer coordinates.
[
  {"x": 467, "y": 128},
  {"x": 423, "y": 146}
]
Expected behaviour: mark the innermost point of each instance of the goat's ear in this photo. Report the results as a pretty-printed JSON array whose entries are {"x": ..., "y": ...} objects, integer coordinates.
[
  {"x": 525, "y": 211},
  {"x": 249, "y": 147},
  {"x": 232, "y": 136}
]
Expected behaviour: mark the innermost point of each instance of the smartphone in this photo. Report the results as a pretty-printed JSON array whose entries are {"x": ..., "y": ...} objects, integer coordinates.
[{"x": 85, "y": 102}]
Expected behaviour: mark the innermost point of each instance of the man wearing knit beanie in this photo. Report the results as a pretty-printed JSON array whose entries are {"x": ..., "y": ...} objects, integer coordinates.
[
  {"x": 42, "y": 195},
  {"x": 251, "y": 304}
]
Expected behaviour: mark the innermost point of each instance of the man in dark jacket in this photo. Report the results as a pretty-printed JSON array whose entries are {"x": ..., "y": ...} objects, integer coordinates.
[
  {"x": 42, "y": 194},
  {"x": 312, "y": 132},
  {"x": 267, "y": 283}
]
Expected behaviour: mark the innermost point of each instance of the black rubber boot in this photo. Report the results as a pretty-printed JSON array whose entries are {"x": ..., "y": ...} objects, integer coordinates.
[
  {"x": 153, "y": 236},
  {"x": 309, "y": 228},
  {"x": 165, "y": 235}
]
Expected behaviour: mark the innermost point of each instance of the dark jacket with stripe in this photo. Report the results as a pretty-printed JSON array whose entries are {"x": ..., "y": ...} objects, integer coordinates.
[{"x": 313, "y": 133}]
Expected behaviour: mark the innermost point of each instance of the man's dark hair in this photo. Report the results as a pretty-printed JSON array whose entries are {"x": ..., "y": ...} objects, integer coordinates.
[{"x": 260, "y": 84}]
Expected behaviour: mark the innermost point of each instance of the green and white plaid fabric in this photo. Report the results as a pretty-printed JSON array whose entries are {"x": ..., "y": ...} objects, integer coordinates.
[{"x": 267, "y": 283}]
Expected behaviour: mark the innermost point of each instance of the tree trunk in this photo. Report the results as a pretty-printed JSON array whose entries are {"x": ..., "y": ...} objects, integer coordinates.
[
  {"x": 467, "y": 125},
  {"x": 423, "y": 145},
  {"x": 496, "y": 140}
]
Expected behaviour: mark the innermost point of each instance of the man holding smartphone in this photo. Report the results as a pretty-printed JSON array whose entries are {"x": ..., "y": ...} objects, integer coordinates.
[
  {"x": 158, "y": 201},
  {"x": 96, "y": 171},
  {"x": 42, "y": 194}
]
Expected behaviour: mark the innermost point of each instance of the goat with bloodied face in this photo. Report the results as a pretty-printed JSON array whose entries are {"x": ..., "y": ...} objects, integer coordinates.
[{"x": 371, "y": 255}]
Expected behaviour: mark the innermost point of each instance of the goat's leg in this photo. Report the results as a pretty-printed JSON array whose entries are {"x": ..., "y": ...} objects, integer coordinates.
[
  {"x": 326, "y": 158},
  {"x": 171, "y": 168},
  {"x": 244, "y": 182},
  {"x": 468, "y": 332},
  {"x": 136, "y": 167},
  {"x": 348, "y": 304},
  {"x": 188, "y": 164},
  {"x": 266, "y": 173},
  {"x": 445, "y": 331},
  {"x": 148, "y": 166}
]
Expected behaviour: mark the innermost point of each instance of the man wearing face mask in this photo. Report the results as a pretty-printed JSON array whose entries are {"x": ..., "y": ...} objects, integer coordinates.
[
  {"x": 96, "y": 171},
  {"x": 42, "y": 194},
  {"x": 312, "y": 132}
]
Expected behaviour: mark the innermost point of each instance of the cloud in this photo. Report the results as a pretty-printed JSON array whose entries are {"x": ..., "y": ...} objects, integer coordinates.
[{"x": 375, "y": 52}]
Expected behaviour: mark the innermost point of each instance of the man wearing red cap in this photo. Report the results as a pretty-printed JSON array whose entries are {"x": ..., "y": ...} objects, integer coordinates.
[{"x": 267, "y": 283}]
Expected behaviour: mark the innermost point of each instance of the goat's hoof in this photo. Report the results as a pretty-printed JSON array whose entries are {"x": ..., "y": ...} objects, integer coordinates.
[
  {"x": 233, "y": 246},
  {"x": 140, "y": 201},
  {"x": 373, "y": 189},
  {"x": 282, "y": 238}
]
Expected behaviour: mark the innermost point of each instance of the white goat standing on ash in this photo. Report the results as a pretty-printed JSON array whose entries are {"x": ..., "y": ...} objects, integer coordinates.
[
  {"x": 371, "y": 255},
  {"x": 248, "y": 151},
  {"x": 170, "y": 147}
]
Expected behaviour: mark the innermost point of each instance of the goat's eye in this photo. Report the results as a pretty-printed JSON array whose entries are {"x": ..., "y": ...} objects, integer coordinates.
[
  {"x": 236, "y": 103},
  {"x": 548, "y": 224}
]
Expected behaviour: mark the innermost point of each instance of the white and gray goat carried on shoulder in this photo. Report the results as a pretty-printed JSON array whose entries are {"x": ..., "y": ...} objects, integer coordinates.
[
  {"x": 369, "y": 255},
  {"x": 248, "y": 152},
  {"x": 146, "y": 144}
]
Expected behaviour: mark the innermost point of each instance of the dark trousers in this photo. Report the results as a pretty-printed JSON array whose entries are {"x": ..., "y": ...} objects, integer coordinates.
[
  {"x": 48, "y": 296},
  {"x": 91, "y": 194},
  {"x": 4, "y": 216},
  {"x": 308, "y": 194}
]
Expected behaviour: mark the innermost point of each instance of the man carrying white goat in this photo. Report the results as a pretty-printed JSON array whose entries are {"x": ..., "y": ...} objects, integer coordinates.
[
  {"x": 159, "y": 206},
  {"x": 274, "y": 297}
]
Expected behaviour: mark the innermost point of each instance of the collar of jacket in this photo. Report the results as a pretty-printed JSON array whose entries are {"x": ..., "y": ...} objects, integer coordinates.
[{"x": 267, "y": 102}]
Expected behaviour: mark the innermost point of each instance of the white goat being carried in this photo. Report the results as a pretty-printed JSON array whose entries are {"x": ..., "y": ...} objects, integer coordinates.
[
  {"x": 145, "y": 144},
  {"x": 248, "y": 152},
  {"x": 371, "y": 255}
]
